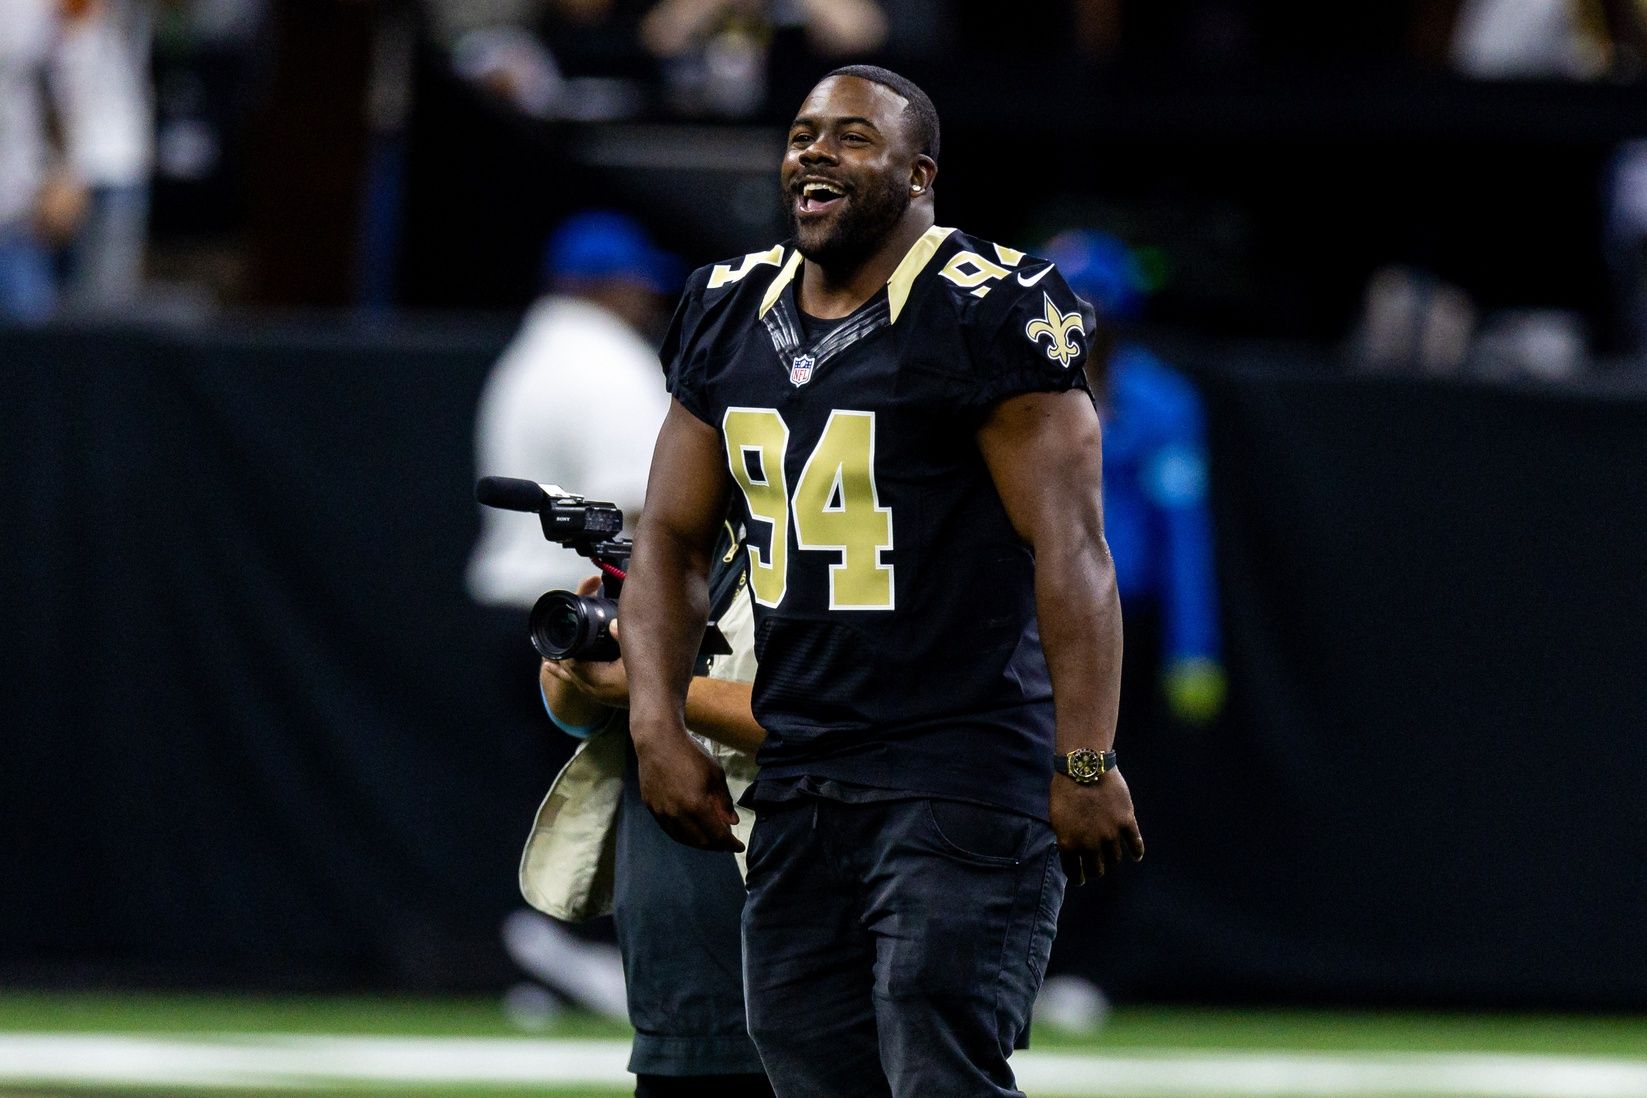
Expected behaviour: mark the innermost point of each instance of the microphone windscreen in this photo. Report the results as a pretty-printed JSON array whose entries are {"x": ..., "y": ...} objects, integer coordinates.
[{"x": 510, "y": 493}]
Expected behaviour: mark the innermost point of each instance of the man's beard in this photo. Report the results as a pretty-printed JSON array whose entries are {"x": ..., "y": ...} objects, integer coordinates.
[{"x": 860, "y": 228}]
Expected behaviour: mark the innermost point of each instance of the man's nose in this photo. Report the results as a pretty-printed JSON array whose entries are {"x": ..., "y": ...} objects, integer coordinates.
[{"x": 818, "y": 152}]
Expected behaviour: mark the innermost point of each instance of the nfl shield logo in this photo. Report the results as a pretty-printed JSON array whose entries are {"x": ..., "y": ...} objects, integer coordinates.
[{"x": 800, "y": 371}]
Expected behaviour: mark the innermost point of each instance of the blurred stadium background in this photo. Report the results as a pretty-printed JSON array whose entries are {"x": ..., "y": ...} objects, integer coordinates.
[{"x": 263, "y": 788}]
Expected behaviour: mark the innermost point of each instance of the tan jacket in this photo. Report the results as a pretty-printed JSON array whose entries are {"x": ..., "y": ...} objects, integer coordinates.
[{"x": 566, "y": 869}]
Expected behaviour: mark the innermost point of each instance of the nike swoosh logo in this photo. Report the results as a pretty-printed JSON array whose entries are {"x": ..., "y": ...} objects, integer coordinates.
[{"x": 1034, "y": 278}]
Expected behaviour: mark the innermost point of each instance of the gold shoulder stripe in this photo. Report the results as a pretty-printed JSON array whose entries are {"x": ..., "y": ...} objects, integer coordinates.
[
  {"x": 725, "y": 273},
  {"x": 1009, "y": 256},
  {"x": 785, "y": 277},
  {"x": 913, "y": 263}
]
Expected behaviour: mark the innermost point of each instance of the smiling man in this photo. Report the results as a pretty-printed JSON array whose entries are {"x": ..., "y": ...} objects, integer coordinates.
[{"x": 899, "y": 412}]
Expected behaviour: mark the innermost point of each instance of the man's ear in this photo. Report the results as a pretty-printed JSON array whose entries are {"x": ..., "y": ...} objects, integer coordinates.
[{"x": 922, "y": 174}]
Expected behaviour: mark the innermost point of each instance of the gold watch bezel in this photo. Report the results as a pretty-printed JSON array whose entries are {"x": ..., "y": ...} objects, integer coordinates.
[{"x": 1085, "y": 765}]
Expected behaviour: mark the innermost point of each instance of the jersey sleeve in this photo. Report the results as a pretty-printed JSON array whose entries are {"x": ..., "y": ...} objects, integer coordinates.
[
  {"x": 683, "y": 354},
  {"x": 1033, "y": 339}
]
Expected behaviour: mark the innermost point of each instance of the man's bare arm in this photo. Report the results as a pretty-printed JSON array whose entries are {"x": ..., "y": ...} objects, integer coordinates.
[
  {"x": 1043, "y": 454},
  {"x": 723, "y": 710},
  {"x": 582, "y": 692},
  {"x": 665, "y": 605}
]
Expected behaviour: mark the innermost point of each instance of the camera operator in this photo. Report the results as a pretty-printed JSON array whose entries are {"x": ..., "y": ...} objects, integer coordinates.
[
  {"x": 595, "y": 847},
  {"x": 586, "y": 343}
]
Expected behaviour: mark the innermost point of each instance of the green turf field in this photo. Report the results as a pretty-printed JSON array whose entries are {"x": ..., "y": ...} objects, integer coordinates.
[{"x": 328, "y": 1046}]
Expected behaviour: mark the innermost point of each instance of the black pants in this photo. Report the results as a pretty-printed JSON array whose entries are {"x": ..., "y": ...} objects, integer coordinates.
[
  {"x": 895, "y": 947},
  {"x": 676, "y": 912},
  {"x": 702, "y": 1086}
]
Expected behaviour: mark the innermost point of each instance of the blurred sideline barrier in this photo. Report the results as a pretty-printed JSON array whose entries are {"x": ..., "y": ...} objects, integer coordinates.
[
  {"x": 250, "y": 737},
  {"x": 1425, "y": 789},
  {"x": 252, "y": 741}
]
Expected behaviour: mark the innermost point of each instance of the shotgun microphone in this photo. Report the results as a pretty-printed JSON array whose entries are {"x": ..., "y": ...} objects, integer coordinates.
[{"x": 514, "y": 494}]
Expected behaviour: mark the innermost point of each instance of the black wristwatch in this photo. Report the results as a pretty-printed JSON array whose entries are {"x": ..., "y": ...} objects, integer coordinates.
[{"x": 1084, "y": 765}]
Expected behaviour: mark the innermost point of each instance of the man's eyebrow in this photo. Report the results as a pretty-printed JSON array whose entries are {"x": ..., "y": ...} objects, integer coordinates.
[{"x": 849, "y": 120}]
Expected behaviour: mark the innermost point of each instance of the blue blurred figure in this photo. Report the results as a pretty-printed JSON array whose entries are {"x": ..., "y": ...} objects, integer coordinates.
[{"x": 1156, "y": 515}]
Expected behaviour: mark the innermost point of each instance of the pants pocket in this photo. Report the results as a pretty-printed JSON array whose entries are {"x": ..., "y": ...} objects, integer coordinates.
[
  {"x": 773, "y": 824},
  {"x": 979, "y": 835}
]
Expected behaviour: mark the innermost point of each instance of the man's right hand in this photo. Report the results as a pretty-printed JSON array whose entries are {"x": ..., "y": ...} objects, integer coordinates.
[{"x": 686, "y": 791}]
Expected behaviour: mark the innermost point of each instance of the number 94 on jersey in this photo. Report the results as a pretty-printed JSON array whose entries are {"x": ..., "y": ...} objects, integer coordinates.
[{"x": 835, "y": 506}]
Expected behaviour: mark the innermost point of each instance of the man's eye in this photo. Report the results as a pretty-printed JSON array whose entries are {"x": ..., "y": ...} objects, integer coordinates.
[
  {"x": 800, "y": 137},
  {"x": 855, "y": 138}
]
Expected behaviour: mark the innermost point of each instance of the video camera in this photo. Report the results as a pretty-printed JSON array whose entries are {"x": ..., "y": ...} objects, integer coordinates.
[{"x": 563, "y": 624}]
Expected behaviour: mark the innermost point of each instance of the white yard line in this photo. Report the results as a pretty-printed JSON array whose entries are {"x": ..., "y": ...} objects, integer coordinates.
[
  {"x": 238, "y": 1060},
  {"x": 1361, "y": 1075}
]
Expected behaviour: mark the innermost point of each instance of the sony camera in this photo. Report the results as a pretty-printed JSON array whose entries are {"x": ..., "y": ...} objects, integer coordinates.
[{"x": 563, "y": 624}]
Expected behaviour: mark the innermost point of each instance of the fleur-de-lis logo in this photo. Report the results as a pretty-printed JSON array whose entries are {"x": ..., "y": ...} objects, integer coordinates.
[{"x": 1057, "y": 327}]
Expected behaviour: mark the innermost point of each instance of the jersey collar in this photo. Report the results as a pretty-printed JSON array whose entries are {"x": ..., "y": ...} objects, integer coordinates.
[{"x": 897, "y": 287}]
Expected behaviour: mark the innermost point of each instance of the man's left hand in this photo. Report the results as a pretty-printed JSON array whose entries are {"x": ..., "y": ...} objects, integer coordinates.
[{"x": 1095, "y": 825}]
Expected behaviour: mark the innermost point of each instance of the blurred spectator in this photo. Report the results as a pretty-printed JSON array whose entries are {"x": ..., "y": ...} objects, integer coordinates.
[
  {"x": 102, "y": 64},
  {"x": 576, "y": 400},
  {"x": 1576, "y": 39},
  {"x": 578, "y": 59},
  {"x": 1537, "y": 344},
  {"x": 716, "y": 52},
  {"x": 1159, "y": 528},
  {"x": 27, "y": 30},
  {"x": 1156, "y": 515},
  {"x": 512, "y": 64},
  {"x": 1626, "y": 243},
  {"x": 1413, "y": 322},
  {"x": 76, "y": 145}
]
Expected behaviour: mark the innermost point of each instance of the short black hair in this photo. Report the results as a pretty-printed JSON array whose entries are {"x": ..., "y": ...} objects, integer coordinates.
[{"x": 923, "y": 114}]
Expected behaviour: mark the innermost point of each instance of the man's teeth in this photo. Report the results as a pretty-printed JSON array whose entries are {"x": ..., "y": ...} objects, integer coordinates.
[{"x": 821, "y": 192}]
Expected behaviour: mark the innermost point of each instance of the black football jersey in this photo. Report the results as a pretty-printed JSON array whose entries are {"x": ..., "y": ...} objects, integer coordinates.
[{"x": 894, "y": 602}]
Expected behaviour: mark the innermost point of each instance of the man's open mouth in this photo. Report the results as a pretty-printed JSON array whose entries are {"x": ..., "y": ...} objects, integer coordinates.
[{"x": 818, "y": 196}]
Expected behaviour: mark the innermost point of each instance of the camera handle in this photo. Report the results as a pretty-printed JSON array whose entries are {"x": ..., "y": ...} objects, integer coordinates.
[
  {"x": 612, "y": 577},
  {"x": 611, "y": 557}
]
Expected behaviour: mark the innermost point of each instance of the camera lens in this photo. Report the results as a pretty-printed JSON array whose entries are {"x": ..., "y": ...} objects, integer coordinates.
[
  {"x": 567, "y": 626},
  {"x": 563, "y": 627}
]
